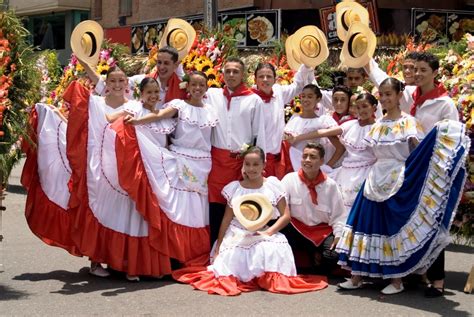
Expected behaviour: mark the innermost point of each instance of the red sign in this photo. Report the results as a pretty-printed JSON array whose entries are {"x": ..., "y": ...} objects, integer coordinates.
[{"x": 328, "y": 19}]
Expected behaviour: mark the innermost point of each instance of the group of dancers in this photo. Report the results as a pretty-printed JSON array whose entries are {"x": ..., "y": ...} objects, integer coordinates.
[{"x": 149, "y": 187}]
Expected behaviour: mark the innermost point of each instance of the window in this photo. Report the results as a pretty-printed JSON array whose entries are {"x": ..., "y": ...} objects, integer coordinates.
[
  {"x": 98, "y": 9},
  {"x": 48, "y": 31},
  {"x": 125, "y": 8}
]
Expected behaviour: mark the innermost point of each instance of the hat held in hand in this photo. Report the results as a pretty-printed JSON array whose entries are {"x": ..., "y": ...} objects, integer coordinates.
[
  {"x": 308, "y": 46},
  {"x": 253, "y": 211},
  {"x": 180, "y": 35},
  {"x": 359, "y": 46},
  {"x": 349, "y": 12},
  {"x": 86, "y": 40}
]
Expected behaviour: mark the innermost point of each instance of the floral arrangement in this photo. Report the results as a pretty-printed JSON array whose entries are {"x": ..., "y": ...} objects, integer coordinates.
[
  {"x": 108, "y": 57},
  {"x": 207, "y": 54},
  {"x": 50, "y": 70},
  {"x": 19, "y": 88},
  {"x": 394, "y": 67}
]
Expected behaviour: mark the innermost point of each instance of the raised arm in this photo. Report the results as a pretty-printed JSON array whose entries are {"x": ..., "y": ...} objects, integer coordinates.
[
  {"x": 303, "y": 77},
  {"x": 93, "y": 76}
]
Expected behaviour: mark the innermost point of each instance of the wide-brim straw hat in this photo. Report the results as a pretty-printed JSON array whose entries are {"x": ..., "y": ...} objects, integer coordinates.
[
  {"x": 180, "y": 35},
  {"x": 253, "y": 211},
  {"x": 308, "y": 45},
  {"x": 86, "y": 40},
  {"x": 359, "y": 46},
  {"x": 347, "y": 13}
]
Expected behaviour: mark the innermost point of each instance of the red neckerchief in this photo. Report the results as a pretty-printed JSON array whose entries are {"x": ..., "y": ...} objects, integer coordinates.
[
  {"x": 173, "y": 91},
  {"x": 241, "y": 90},
  {"x": 419, "y": 99},
  {"x": 340, "y": 118},
  {"x": 265, "y": 97},
  {"x": 311, "y": 184}
]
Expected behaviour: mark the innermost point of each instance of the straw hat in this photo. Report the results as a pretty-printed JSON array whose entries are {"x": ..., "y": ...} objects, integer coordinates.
[
  {"x": 253, "y": 211},
  {"x": 359, "y": 47},
  {"x": 347, "y": 13},
  {"x": 180, "y": 35},
  {"x": 308, "y": 45},
  {"x": 86, "y": 40}
]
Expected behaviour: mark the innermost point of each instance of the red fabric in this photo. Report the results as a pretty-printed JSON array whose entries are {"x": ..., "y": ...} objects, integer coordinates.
[
  {"x": 419, "y": 99},
  {"x": 48, "y": 221},
  {"x": 341, "y": 118},
  {"x": 315, "y": 234},
  {"x": 274, "y": 166},
  {"x": 241, "y": 90},
  {"x": 173, "y": 92},
  {"x": 312, "y": 183},
  {"x": 285, "y": 166},
  {"x": 178, "y": 241},
  {"x": 225, "y": 169},
  {"x": 122, "y": 252},
  {"x": 273, "y": 282},
  {"x": 265, "y": 97}
]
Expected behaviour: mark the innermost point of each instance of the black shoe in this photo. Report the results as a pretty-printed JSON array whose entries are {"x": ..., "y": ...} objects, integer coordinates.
[{"x": 433, "y": 292}]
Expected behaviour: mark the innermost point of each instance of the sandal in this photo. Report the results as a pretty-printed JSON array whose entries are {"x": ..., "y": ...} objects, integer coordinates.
[{"x": 433, "y": 292}]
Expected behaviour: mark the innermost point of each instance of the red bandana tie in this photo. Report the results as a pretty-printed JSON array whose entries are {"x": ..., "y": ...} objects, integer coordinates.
[
  {"x": 419, "y": 99},
  {"x": 173, "y": 92},
  {"x": 241, "y": 90},
  {"x": 311, "y": 184},
  {"x": 340, "y": 118},
  {"x": 265, "y": 97}
]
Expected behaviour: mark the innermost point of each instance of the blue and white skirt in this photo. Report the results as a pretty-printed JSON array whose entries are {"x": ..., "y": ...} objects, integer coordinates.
[{"x": 405, "y": 233}]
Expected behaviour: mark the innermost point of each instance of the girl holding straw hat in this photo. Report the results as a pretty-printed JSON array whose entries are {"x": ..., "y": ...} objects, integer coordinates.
[{"x": 248, "y": 254}]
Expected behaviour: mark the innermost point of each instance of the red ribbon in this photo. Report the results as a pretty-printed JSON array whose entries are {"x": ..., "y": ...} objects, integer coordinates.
[
  {"x": 419, "y": 99},
  {"x": 241, "y": 90}
]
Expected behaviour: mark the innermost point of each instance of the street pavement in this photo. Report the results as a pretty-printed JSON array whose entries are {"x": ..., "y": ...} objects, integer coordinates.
[{"x": 43, "y": 280}]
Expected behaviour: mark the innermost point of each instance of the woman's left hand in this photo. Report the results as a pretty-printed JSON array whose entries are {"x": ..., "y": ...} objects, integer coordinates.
[{"x": 267, "y": 232}]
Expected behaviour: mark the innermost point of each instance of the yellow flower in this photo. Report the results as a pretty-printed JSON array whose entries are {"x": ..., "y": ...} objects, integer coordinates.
[
  {"x": 211, "y": 74},
  {"x": 396, "y": 129},
  {"x": 79, "y": 67},
  {"x": 204, "y": 65},
  {"x": 214, "y": 83},
  {"x": 455, "y": 69},
  {"x": 102, "y": 69}
]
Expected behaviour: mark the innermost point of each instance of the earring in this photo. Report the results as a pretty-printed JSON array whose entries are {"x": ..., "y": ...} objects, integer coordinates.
[
  {"x": 127, "y": 91},
  {"x": 188, "y": 95},
  {"x": 107, "y": 91}
]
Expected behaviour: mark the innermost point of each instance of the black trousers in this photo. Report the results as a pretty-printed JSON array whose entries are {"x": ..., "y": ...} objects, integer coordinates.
[
  {"x": 216, "y": 213},
  {"x": 298, "y": 242},
  {"x": 436, "y": 270}
]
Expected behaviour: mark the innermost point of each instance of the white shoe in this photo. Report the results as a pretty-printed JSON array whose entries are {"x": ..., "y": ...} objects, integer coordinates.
[
  {"x": 348, "y": 285},
  {"x": 390, "y": 289},
  {"x": 133, "y": 278},
  {"x": 98, "y": 270}
]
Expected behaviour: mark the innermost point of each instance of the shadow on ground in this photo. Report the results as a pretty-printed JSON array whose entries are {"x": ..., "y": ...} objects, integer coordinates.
[
  {"x": 82, "y": 282},
  {"x": 8, "y": 293}
]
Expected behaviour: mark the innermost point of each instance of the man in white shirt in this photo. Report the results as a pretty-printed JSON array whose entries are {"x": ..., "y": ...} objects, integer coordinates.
[
  {"x": 241, "y": 121},
  {"x": 317, "y": 210}
]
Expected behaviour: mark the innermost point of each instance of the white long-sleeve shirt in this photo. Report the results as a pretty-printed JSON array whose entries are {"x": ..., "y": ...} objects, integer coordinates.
[
  {"x": 330, "y": 208},
  {"x": 241, "y": 123}
]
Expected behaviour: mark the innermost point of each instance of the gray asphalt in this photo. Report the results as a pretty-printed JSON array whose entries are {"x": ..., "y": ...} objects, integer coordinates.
[{"x": 43, "y": 280}]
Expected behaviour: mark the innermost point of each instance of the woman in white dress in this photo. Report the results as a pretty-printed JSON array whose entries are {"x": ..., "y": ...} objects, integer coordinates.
[
  {"x": 359, "y": 159},
  {"x": 243, "y": 260},
  {"x": 109, "y": 225},
  {"x": 175, "y": 180},
  {"x": 300, "y": 125}
]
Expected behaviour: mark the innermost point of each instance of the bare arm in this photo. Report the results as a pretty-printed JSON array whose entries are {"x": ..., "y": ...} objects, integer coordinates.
[
  {"x": 282, "y": 222},
  {"x": 340, "y": 149},
  {"x": 333, "y": 131},
  {"x": 93, "y": 76},
  {"x": 152, "y": 117},
  {"x": 228, "y": 215}
]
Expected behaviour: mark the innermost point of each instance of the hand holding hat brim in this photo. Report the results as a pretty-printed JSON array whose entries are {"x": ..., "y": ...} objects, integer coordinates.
[
  {"x": 180, "y": 35},
  {"x": 359, "y": 47},
  {"x": 308, "y": 46},
  {"x": 86, "y": 41}
]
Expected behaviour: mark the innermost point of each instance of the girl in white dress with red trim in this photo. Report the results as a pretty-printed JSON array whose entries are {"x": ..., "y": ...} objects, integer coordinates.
[
  {"x": 174, "y": 179},
  {"x": 360, "y": 157},
  {"x": 111, "y": 226},
  {"x": 244, "y": 260},
  {"x": 308, "y": 121}
]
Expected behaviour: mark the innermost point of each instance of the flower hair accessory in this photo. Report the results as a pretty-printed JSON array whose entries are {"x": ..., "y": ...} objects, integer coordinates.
[
  {"x": 184, "y": 81},
  {"x": 244, "y": 148}
]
